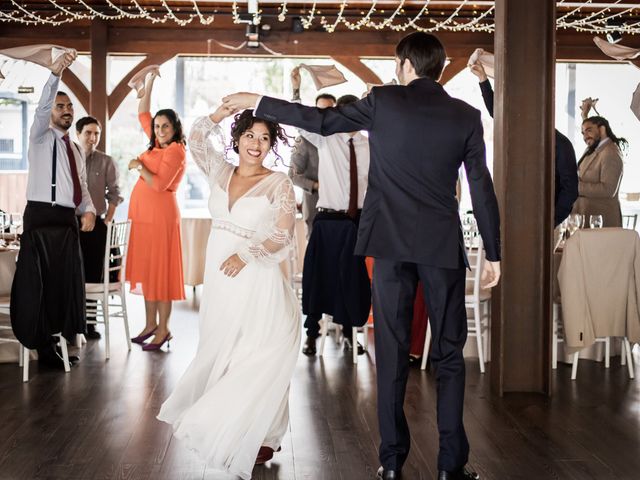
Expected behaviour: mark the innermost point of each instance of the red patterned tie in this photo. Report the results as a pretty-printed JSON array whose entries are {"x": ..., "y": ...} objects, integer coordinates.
[
  {"x": 77, "y": 192},
  {"x": 353, "y": 181}
]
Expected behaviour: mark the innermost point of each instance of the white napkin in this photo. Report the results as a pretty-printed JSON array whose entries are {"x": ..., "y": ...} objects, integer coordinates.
[
  {"x": 615, "y": 50},
  {"x": 48, "y": 56},
  {"x": 324, "y": 75},
  {"x": 138, "y": 80},
  {"x": 485, "y": 59}
]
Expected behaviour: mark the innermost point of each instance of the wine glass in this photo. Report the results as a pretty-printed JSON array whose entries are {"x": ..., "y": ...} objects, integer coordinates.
[
  {"x": 595, "y": 221},
  {"x": 561, "y": 233},
  {"x": 579, "y": 220},
  {"x": 15, "y": 222},
  {"x": 572, "y": 224},
  {"x": 469, "y": 229},
  {"x": 3, "y": 222}
]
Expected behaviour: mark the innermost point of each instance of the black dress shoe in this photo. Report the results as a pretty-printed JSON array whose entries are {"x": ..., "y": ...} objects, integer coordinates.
[
  {"x": 48, "y": 361},
  {"x": 93, "y": 335},
  {"x": 309, "y": 346},
  {"x": 72, "y": 358},
  {"x": 349, "y": 346},
  {"x": 462, "y": 474},
  {"x": 384, "y": 474},
  {"x": 414, "y": 361}
]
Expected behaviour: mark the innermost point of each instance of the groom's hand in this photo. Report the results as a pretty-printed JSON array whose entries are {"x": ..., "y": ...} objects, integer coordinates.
[
  {"x": 221, "y": 113},
  {"x": 490, "y": 274},
  {"x": 232, "y": 265},
  {"x": 240, "y": 101}
]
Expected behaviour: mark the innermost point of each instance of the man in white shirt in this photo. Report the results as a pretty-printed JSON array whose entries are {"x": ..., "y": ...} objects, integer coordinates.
[
  {"x": 47, "y": 296},
  {"x": 334, "y": 281},
  {"x": 303, "y": 170}
]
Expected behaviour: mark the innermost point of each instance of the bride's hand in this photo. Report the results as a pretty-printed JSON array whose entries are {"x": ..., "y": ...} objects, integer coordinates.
[
  {"x": 232, "y": 265},
  {"x": 221, "y": 113}
]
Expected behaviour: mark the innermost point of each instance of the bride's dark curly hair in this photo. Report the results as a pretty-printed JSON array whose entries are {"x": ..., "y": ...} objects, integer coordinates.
[{"x": 245, "y": 120}]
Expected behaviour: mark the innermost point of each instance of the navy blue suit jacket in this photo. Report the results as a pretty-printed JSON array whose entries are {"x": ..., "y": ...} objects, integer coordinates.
[
  {"x": 566, "y": 166},
  {"x": 419, "y": 137}
]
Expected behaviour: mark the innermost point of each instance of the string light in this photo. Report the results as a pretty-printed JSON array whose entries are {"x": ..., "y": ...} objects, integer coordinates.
[
  {"x": 584, "y": 17},
  {"x": 282, "y": 16}
]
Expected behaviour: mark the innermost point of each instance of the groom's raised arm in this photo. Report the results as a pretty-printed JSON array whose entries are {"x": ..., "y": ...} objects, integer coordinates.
[{"x": 347, "y": 118}]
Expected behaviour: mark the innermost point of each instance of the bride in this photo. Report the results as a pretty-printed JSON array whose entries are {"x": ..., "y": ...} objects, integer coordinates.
[{"x": 231, "y": 404}]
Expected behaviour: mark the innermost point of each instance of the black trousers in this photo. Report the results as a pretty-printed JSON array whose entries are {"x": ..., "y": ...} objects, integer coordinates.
[
  {"x": 48, "y": 287},
  {"x": 394, "y": 287},
  {"x": 334, "y": 280},
  {"x": 92, "y": 245}
]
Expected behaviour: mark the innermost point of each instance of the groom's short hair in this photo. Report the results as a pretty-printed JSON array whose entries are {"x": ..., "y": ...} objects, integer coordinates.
[{"x": 425, "y": 52}]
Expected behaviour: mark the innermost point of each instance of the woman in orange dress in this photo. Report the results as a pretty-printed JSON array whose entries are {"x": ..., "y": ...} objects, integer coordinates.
[{"x": 154, "y": 261}]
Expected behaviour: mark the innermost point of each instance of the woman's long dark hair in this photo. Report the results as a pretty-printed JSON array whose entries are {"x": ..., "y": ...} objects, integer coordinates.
[
  {"x": 178, "y": 135},
  {"x": 622, "y": 143},
  {"x": 245, "y": 120}
]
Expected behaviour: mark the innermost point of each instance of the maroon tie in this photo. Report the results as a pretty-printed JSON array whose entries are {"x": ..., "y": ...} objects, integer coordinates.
[
  {"x": 353, "y": 181},
  {"x": 77, "y": 192}
]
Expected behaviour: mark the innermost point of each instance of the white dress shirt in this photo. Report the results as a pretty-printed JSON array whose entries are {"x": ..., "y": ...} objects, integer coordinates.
[
  {"x": 40, "y": 155},
  {"x": 333, "y": 168}
]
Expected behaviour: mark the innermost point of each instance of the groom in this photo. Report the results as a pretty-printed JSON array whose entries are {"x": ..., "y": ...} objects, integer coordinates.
[{"x": 419, "y": 137}]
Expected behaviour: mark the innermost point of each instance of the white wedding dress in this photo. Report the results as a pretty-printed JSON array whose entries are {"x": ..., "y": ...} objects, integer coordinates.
[{"x": 233, "y": 397}]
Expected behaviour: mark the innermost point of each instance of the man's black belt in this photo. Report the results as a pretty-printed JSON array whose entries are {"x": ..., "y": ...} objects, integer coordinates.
[
  {"x": 330, "y": 210},
  {"x": 33, "y": 203}
]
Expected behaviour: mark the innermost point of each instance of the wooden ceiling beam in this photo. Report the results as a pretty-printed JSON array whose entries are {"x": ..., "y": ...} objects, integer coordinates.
[
  {"x": 128, "y": 38},
  {"x": 78, "y": 88},
  {"x": 454, "y": 67},
  {"x": 355, "y": 65}
]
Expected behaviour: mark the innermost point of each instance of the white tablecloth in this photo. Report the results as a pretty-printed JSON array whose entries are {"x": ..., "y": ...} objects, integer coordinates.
[
  {"x": 7, "y": 270},
  {"x": 9, "y": 352},
  {"x": 195, "y": 234}
]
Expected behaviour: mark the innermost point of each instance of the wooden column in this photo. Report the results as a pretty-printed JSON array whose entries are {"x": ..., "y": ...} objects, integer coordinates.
[
  {"x": 524, "y": 178},
  {"x": 99, "y": 99}
]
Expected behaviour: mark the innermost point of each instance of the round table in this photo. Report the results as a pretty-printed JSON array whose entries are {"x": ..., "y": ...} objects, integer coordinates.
[{"x": 9, "y": 351}]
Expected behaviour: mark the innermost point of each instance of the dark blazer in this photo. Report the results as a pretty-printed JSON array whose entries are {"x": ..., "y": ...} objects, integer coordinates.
[
  {"x": 419, "y": 137},
  {"x": 566, "y": 166}
]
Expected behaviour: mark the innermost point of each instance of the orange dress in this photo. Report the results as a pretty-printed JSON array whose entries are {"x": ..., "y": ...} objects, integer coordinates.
[{"x": 154, "y": 261}]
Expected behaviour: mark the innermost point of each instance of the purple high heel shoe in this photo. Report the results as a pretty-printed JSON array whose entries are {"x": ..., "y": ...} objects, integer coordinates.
[
  {"x": 141, "y": 338},
  {"x": 148, "y": 347}
]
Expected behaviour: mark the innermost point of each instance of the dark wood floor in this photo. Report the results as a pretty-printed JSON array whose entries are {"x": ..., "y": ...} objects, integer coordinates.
[{"x": 98, "y": 422}]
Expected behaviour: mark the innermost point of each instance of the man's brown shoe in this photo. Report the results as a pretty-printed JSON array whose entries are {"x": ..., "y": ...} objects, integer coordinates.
[{"x": 264, "y": 455}]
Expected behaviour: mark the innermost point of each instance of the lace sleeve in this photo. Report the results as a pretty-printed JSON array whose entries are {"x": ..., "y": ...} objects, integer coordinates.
[
  {"x": 272, "y": 241},
  {"x": 209, "y": 156}
]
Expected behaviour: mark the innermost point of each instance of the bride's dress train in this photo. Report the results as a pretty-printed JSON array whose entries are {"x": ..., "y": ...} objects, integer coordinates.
[{"x": 233, "y": 397}]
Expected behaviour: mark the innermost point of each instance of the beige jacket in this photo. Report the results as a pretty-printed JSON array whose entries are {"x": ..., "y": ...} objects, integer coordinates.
[
  {"x": 599, "y": 176},
  {"x": 599, "y": 279}
]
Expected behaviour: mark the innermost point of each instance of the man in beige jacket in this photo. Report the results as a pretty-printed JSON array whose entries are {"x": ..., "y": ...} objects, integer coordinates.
[{"x": 600, "y": 172}]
